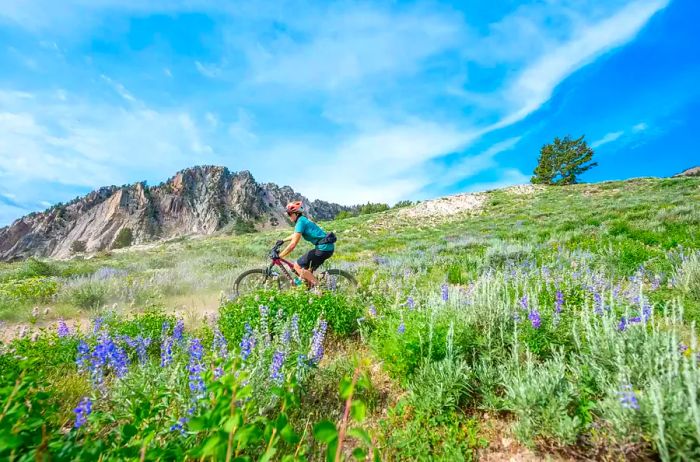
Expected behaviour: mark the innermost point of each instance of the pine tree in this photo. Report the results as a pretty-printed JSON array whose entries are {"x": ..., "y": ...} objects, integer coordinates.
[{"x": 563, "y": 161}]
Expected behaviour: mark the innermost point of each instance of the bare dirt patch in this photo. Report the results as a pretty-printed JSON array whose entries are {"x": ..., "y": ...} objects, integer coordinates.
[{"x": 446, "y": 206}]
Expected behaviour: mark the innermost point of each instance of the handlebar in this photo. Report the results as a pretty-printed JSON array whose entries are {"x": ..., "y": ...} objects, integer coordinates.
[{"x": 275, "y": 252}]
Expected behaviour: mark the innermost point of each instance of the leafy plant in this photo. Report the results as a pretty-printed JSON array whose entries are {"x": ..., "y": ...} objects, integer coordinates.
[{"x": 561, "y": 162}]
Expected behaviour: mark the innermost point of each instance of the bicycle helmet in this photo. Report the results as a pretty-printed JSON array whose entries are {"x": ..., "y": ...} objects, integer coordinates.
[{"x": 295, "y": 207}]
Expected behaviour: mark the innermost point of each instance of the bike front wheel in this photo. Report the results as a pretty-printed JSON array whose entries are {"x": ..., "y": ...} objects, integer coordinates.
[
  {"x": 337, "y": 280},
  {"x": 255, "y": 279}
]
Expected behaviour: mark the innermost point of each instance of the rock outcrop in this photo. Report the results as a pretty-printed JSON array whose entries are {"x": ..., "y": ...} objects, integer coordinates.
[
  {"x": 198, "y": 200},
  {"x": 695, "y": 171}
]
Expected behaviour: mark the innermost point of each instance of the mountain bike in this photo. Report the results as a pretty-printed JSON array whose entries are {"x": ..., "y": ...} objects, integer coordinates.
[{"x": 280, "y": 274}]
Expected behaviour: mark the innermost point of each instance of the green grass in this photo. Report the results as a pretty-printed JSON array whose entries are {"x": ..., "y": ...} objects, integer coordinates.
[{"x": 623, "y": 257}]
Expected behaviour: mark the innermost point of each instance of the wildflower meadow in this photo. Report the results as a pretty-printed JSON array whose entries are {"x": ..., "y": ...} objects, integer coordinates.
[{"x": 558, "y": 323}]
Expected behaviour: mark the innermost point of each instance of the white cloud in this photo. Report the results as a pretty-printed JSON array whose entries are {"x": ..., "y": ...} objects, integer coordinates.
[
  {"x": 608, "y": 138},
  {"x": 208, "y": 70},
  {"x": 640, "y": 127},
  {"x": 120, "y": 89},
  {"x": 534, "y": 86}
]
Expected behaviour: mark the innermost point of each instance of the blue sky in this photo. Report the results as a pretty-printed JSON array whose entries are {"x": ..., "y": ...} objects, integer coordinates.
[{"x": 345, "y": 101}]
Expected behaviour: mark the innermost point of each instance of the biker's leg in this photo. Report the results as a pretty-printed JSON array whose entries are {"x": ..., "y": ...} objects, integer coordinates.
[{"x": 305, "y": 274}]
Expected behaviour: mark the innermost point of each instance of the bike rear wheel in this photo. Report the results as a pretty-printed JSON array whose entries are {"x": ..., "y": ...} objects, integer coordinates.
[
  {"x": 337, "y": 280},
  {"x": 254, "y": 279}
]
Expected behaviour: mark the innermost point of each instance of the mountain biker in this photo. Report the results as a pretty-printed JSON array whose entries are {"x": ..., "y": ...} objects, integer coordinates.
[{"x": 323, "y": 243}]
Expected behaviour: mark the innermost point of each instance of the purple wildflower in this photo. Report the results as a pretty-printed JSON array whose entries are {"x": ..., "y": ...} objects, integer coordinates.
[
  {"x": 316, "y": 352},
  {"x": 622, "y": 325},
  {"x": 83, "y": 356},
  {"x": 97, "y": 325},
  {"x": 63, "y": 330},
  {"x": 445, "y": 292},
  {"x": 276, "y": 367},
  {"x": 218, "y": 372},
  {"x": 598, "y": 303},
  {"x": 219, "y": 344},
  {"x": 82, "y": 411},
  {"x": 142, "y": 344},
  {"x": 164, "y": 329},
  {"x": 166, "y": 352},
  {"x": 179, "y": 426},
  {"x": 628, "y": 398},
  {"x": 524, "y": 303},
  {"x": 247, "y": 342},
  {"x": 682, "y": 347},
  {"x": 179, "y": 330},
  {"x": 559, "y": 302},
  {"x": 646, "y": 312},
  {"x": 195, "y": 369},
  {"x": 412, "y": 303},
  {"x": 402, "y": 328},
  {"x": 534, "y": 318},
  {"x": 372, "y": 310},
  {"x": 635, "y": 320}
]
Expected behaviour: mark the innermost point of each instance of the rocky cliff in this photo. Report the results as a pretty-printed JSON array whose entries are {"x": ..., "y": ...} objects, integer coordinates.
[{"x": 198, "y": 200}]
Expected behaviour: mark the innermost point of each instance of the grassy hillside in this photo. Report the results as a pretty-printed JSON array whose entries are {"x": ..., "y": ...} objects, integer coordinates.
[{"x": 551, "y": 320}]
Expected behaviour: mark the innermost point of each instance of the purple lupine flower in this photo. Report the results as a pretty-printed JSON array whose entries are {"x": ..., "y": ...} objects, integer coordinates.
[
  {"x": 524, "y": 302},
  {"x": 646, "y": 311},
  {"x": 412, "y": 303},
  {"x": 179, "y": 426},
  {"x": 559, "y": 302},
  {"x": 628, "y": 398},
  {"x": 534, "y": 318},
  {"x": 682, "y": 347},
  {"x": 62, "y": 329},
  {"x": 598, "y": 303},
  {"x": 179, "y": 330},
  {"x": 316, "y": 351},
  {"x": 218, "y": 372},
  {"x": 82, "y": 411},
  {"x": 635, "y": 320},
  {"x": 97, "y": 325},
  {"x": 83, "y": 356},
  {"x": 295, "y": 328},
  {"x": 402, "y": 328},
  {"x": 164, "y": 329},
  {"x": 445, "y": 292},
  {"x": 142, "y": 345},
  {"x": 166, "y": 352},
  {"x": 372, "y": 310},
  {"x": 622, "y": 325},
  {"x": 276, "y": 367},
  {"x": 219, "y": 345},
  {"x": 247, "y": 342},
  {"x": 195, "y": 369},
  {"x": 286, "y": 337}
]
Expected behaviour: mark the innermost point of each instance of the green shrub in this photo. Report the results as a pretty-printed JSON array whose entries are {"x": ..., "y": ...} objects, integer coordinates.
[
  {"x": 124, "y": 238},
  {"x": 78, "y": 246},
  {"x": 339, "y": 311}
]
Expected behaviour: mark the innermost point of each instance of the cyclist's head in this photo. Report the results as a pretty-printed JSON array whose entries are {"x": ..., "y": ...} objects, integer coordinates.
[{"x": 295, "y": 209}]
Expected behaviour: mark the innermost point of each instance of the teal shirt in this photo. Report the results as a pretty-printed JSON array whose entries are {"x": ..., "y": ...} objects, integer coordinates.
[{"x": 311, "y": 232}]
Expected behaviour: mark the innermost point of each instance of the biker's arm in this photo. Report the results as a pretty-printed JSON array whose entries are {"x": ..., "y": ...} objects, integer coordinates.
[{"x": 295, "y": 238}]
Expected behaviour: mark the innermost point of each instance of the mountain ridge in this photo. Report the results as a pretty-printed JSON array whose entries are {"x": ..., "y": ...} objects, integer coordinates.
[{"x": 196, "y": 200}]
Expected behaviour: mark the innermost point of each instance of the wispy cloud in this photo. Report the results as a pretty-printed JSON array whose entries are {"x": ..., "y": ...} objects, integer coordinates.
[{"x": 608, "y": 138}]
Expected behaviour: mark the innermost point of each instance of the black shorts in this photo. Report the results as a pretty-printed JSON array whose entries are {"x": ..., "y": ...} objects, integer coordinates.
[{"x": 314, "y": 258}]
